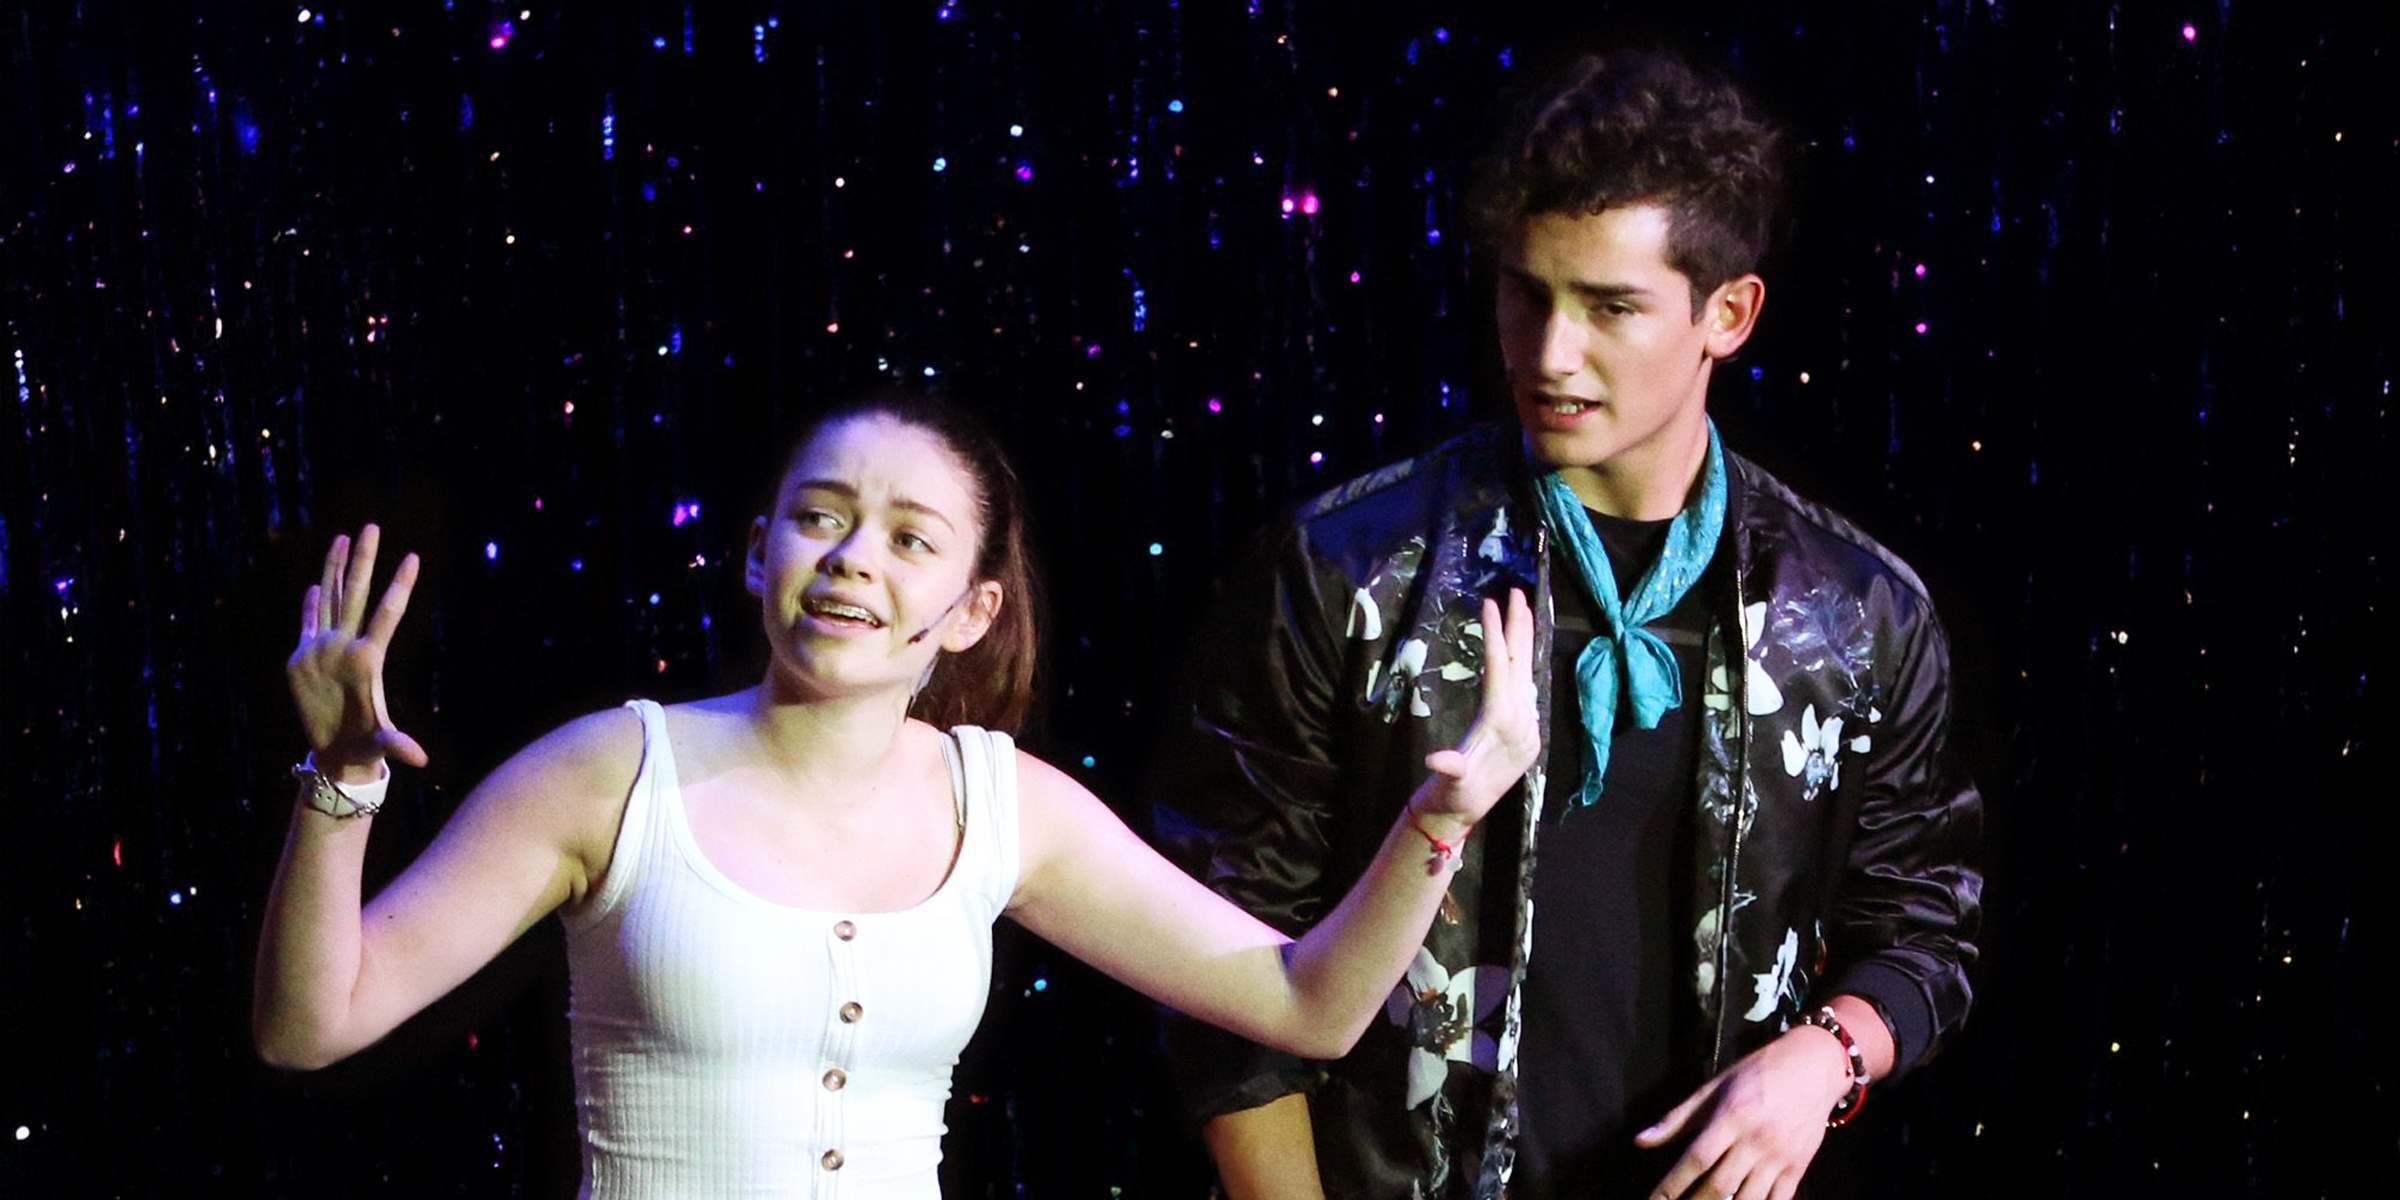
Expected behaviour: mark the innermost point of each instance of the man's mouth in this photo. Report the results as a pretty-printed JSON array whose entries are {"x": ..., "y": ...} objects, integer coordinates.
[{"x": 1564, "y": 406}]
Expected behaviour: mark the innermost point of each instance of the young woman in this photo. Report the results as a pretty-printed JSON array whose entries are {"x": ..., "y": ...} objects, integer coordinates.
[{"x": 779, "y": 902}]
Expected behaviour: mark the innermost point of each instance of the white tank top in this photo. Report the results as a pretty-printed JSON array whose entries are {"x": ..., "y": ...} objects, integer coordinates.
[{"x": 727, "y": 1045}]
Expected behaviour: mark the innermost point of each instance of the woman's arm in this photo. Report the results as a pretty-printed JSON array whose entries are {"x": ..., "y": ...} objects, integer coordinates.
[
  {"x": 1093, "y": 888},
  {"x": 332, "y": 979}
]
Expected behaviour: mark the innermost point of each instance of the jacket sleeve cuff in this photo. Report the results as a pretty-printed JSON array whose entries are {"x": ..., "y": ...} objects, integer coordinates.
[
  {"x": 1219, "y": 1072},
  {"x": 1906, "y": 1011}
]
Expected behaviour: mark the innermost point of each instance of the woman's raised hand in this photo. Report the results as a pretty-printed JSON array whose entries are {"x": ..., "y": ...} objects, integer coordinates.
[
  {"x": 337, "y": 672},
  {"x": 1506, "y": 736}
]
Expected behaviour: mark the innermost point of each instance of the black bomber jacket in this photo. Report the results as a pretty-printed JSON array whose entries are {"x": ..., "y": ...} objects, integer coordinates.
[{"x": 1837, "y": 838}]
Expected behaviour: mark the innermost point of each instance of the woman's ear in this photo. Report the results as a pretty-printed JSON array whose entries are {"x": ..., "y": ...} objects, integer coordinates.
[
  {"x": 974, "y": 617},
  {"x": 754, "y": 559}
]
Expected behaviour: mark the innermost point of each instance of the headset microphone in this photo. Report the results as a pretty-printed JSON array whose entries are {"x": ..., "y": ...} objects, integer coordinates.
[{"x": 942, "y": 616}]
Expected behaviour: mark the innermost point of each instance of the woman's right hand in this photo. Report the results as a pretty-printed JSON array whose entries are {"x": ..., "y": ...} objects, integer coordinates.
[{"x": 336, "y": 674}]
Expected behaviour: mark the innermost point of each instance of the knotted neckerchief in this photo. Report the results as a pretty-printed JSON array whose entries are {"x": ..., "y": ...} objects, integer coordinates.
[{"x": 1626, "y": 658}]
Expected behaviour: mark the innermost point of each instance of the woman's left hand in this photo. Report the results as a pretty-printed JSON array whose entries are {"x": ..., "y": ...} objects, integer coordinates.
[{"x": 1506, "y": 736}]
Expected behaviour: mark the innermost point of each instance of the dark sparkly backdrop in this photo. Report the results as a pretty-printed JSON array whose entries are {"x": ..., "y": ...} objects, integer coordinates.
[{"x": 2087, "y": 310}]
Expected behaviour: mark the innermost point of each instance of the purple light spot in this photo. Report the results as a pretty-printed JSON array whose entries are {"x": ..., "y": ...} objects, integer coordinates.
[
  {"x": 1288, "y": 205},
  {"x": 1433, "y": 237},
  {"x": 491, "y": 551},
  {"x": 1441, "y": 35},
  {"x": 686, "y": 511},
  {"x": 1092, "y": 351},
  {"x": 1214, "y": 405},
  {"x": 1316, "y": 458},
  {"x": 1024, "y": 170}
]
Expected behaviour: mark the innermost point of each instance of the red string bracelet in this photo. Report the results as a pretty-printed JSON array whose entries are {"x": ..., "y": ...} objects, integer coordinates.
[{"x": 1446, "y": 851}]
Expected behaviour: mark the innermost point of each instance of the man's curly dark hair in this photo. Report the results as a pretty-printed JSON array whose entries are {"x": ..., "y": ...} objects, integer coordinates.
[{"x": 1604, "y": 131}]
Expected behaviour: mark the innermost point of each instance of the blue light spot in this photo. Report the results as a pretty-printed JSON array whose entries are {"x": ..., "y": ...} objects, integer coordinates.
[
  {"x": 1041, "y": 985},
  {"x": 1758, "y": 373},
  {"x": 1175, "y": 106},
  {"x": 1441, "y": 35},
  {"x": 1088, "y": 761},
  {"x": 658, "y": 43},
  {"x": 654, "y": 597},
  {"x": 1433, "y": 237},
  {"x": 941, "y": 164},
  {"x": 929, "y": 372},
  {"x": 175, "y": 898},
  {"x": 1124, "y": 431},
  {"x": 491, "y": 552},
  {"x": 575, "y": 564},
  {"x": 1156, "y": 549}
]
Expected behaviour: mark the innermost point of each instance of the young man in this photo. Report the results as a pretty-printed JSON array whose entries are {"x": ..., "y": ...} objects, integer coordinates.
[{"x": 1742, "y": 887}]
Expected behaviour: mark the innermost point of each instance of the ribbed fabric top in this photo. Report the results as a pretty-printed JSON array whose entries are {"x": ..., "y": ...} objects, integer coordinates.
[{"x": 727, "y": 1045}]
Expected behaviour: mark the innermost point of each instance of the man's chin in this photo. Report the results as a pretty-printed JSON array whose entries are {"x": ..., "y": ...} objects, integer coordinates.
[{"x": 1587, "y": 445}]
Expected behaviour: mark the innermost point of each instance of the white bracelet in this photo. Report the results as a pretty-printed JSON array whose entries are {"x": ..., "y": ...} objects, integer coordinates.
[{"x": 341, "y": 803}]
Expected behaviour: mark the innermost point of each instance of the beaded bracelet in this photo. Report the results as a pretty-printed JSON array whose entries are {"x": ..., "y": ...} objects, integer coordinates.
[{"x": 1847, "y": 1107}]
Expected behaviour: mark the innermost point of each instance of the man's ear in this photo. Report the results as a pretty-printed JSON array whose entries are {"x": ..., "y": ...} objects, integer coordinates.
[
  {"x": 1732, "y": 312},
  {"x": 975, "y": 617},
  {"x": 754, "y": 559}
]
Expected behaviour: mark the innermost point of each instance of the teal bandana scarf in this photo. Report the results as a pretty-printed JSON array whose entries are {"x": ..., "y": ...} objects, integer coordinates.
[{"x": 1626, "y": 659}]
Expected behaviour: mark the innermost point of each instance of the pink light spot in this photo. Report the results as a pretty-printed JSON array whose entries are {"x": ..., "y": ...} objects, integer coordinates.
[
  {"x": 1288, "y": 205},
  {"x": 2191, "y": 34},
  {"x": 1354, "y": 277},
  {"x": 499, "y": 41},
  {"x": 1920, "y": 327},
  {"x": 1215, "y": 405},
  {"x": 1308, "y": 204},
  {"x": 1920, "y": 270}
]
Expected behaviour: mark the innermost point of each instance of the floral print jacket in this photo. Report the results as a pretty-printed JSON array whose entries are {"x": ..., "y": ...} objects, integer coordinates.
[{"x": 1836, "y": 836}]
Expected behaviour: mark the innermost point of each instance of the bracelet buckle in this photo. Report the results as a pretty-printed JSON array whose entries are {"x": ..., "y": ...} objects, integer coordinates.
[{"x": 320, "y": 793}]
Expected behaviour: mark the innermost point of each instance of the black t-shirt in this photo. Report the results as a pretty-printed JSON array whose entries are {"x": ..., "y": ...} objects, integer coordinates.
[{"x": 1610, "y": 1028}]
